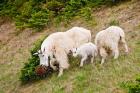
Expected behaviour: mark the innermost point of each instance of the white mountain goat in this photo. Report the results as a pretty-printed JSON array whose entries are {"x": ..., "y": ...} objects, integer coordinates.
[
  {"x": 56, "y": 47},
  {"x": 85, "y": 51},
  {"x": 108, "y": 40}
]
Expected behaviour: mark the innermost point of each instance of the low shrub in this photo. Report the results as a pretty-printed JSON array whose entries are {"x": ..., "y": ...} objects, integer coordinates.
[
  {"x": 86, "y": 13},
  {"x": 54, "y": 6},
  {"x": 28, "y": 71},
  {"x": 40, "y": 19},
  {"x": 39, "y": 13},
  {"x": 132, "y": 86}
]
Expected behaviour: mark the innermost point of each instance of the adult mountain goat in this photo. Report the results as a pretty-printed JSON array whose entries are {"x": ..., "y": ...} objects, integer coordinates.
[
  {"x": 108, "y": 40},
  {"x": 56, "y": 47}
]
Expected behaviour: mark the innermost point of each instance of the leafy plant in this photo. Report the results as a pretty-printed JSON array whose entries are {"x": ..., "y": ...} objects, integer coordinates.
[
  {"x": 28, "y": 71},
  {"x": 40, "y": 19},
  {"x": 86, "y": 13},
  {"x": 39, "y": 13},
  {"x": 132, "y": 86},
  {"x": 54, "y": 5}
]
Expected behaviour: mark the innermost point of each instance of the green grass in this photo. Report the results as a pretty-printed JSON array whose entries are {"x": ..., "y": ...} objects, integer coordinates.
[
  {"x": 114, "y": 22},
  {"x": 92, "y": 78}
]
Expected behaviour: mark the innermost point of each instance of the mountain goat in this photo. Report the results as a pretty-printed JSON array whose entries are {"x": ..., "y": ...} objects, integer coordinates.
[
  {"x": 84, "y": 51},
  {"x": 108, "y": 40},
  {"x": 56, "y": 47}
]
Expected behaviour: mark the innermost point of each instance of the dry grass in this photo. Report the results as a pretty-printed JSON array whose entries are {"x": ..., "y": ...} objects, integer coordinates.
[{"x": 14, "y": 51}]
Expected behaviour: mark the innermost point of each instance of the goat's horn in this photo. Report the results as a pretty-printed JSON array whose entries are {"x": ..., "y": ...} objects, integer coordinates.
[{"x": 35, "y": 53}]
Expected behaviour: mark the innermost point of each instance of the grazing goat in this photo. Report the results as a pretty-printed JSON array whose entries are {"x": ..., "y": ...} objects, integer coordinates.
[
  {"x": 56, "y": 47},
  {"x": 108, "y": 40}
]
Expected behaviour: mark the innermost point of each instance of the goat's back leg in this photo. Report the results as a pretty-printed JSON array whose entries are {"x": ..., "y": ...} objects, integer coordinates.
[
  {"x": 115, "y": 51},
  {"x": 103, "y": 54},
  {"x": 125, "y": 45}
]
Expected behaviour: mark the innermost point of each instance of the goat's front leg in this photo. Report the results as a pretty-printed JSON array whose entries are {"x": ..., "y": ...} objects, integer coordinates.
[
  {"x": 62, "y": 60},
  {"x": 92, "y": 58},
  {"x": 82, "y": 61},
  {"x": 52, "y": 65},
  {"x": 116, "y": 53},
  {"x": 60, "y": 72},
  {"x": 103, "y": 55}
]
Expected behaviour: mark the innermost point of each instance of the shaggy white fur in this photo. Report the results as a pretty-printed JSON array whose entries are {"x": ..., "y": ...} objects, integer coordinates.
[
  {"x": 108, "y": 40},
  {"x": 79, "y": 35},
  {"x": 84, "y": 51},
  {"x": 58, "y": 44}
]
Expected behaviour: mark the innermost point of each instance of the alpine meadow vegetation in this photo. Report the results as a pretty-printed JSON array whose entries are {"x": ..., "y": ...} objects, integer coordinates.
[{"x": 38, "y": 14}]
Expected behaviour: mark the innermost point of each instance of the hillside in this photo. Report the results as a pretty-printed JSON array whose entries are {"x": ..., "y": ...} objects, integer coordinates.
[{"x": 15, "y": 45}]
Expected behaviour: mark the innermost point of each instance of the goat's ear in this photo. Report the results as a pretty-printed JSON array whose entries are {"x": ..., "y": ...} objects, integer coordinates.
[{"x": 35, "y": 53}]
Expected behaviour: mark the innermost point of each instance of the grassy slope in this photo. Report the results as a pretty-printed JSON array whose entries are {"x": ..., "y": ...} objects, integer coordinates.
[{"x": 91, "y": 78}]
